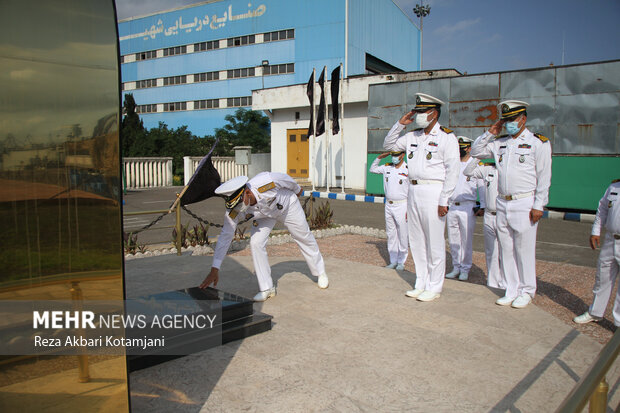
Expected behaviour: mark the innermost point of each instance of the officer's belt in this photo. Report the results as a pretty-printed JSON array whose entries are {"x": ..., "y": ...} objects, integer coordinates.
[
  {"x": 490, "y": 212},
  {"x": 396, "y": 201},
  {"x": 517, "y": 196},
  {"x": 465, "y": 203},
  {"x": 425, "y": 181}
]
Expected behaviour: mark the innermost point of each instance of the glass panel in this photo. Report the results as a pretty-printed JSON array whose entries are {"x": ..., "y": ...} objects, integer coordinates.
[
  {"x": 291, "y": 138},
  {"x": 60, "y": 192}
]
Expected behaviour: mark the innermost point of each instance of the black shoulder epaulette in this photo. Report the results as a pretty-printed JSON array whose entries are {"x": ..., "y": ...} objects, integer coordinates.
[
  {"x": 541, "y": 137},
  {"x": 443, "y": 128},
  {"x": 615, "y": 181}
]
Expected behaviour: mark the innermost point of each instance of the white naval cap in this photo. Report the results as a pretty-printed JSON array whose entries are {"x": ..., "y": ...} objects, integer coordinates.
[
  {"x": 232, "y": 190},
  {"x": 464, "y": 141},
  {"x": 510, "y": 108},
  {"x": 424, "y": 102}
]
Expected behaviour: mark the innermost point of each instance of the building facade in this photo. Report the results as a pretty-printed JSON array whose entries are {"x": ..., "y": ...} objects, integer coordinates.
[{"x": 195, "y": 65}]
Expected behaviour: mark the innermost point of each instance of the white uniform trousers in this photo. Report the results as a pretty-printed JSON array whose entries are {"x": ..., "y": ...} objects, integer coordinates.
[
  {"x": 607, "y": 271},
  {"x": 495, "y": 274},
  {"x": 294, "y": 219},
  {"x": 396, "y": 230},
  {"x": 461, "y": 223},
  {"x": 517, "y": 245},
  {"x": 426, "y": 236}
]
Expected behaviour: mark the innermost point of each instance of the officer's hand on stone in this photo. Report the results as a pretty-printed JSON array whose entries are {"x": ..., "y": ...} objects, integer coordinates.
[
  {"x": 407, "y": 118},
  {"x": 535, "y": 215},
  {"x": 497, "y": 127},
  {"x": 383, "y": 155},
  {"x": 212, "y": 278},
  {"x": 442, "y": 210},
  {"x": 595, "y": 241}
]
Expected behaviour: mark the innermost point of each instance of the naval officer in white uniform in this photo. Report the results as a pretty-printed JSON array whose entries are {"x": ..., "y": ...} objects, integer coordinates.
[
  {"x": 461, "y": 217},
  {"x": 485, "y": 170},
  {"x": 396, "y": 188},
  {"x": 265, "y": 199},
  {"x": 523, "y": 162},
  {"x": 608, "y": 216},
  {"x": 433, "y": 165}
]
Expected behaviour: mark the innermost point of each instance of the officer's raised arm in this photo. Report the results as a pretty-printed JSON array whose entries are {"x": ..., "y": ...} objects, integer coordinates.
[
  {"x": 393, "y": 141},
  {"x": 480, "y": 147},
  {"x": 374, "y": 167}
]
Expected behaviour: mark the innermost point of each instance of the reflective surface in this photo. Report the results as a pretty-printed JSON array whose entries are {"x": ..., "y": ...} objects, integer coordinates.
[{"x": 59, "y": 188}]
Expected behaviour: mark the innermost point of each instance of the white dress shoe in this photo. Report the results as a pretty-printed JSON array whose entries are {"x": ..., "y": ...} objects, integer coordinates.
[
  {"x": 463, "y": 276},
  {"x": 400, "y": 267},
  {"x": 453, "y": 274},
  {"x": 264, "y": 295},
  {"x": 522, "y": 301},
  {"x": 504, "y": 300},
  {"x": 414, "y": 293},
  {"x": 585, "y": 318},
  {"x": 323, "y": 281},
  {"x": 428, "y": 296},
  {"x": 390, "y": 266}
]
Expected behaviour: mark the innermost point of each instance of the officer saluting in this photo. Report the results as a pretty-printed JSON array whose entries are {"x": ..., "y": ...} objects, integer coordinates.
[
  {"x": 395, "y": 187},
  {"x": 433, "y": 164},
  {"x": 266, "y": 198},
  {"x": 523, "y": 162}
]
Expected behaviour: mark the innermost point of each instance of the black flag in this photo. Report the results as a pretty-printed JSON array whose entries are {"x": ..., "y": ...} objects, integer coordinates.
[
  {"x": 335, "y": 87},
  {"x": 310, "y": 94},
  {"x": 204, "y": 181},
  {"x": 320, "y": 117}
]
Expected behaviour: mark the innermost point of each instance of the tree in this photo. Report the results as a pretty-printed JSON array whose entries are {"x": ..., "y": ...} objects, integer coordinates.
[
  {"x": 244, "y": 128},
  {"x": 132, "y": 127}
]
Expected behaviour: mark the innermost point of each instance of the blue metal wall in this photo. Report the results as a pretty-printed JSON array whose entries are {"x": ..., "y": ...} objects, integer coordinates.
[{"x": 319, "y": 41}]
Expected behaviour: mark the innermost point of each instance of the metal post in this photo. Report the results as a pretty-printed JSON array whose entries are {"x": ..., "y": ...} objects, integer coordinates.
[
  {"x": 341, "y": 89},
  {"x": 77, "y": 297},
  {"x": 313, "y": 136},
  {"x": 178, "y": 226},
  {"x": 598, "y": 400}
]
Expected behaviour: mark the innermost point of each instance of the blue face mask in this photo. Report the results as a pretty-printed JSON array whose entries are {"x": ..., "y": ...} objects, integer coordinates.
[
  {"x": 512, "y": 127},
  {"x": 395, "y": 159}
]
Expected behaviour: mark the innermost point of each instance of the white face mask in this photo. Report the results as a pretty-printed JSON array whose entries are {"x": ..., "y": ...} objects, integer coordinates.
[{"x": 421, "y": 120}]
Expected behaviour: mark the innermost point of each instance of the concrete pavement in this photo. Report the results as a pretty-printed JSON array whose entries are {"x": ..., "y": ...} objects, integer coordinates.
[{"x": 361, "y": 345}]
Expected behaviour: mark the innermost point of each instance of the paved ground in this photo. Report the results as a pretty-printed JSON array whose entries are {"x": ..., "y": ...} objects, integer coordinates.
[
  {"x": 361, "y": 345},
  {"x": 558, "y": 241}
]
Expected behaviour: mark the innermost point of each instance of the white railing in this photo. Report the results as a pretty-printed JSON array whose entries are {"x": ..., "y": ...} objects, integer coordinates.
[
  {"x": 225, "y": 165},
  {"x": 147, "y": 172}
]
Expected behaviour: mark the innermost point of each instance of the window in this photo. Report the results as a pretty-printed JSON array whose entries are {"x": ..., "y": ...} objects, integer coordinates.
[
  {"x": 279, "y": 35},
  {"x": 141, "y": 84},
  {"x": 201, "y": 47},
  {"x": 175, "y": 106},
  {"x": 173, "y": 51},
  {"x": 279, "y": 69},
  {"x": 206, "y": 77},
  {"x": 151, "y": 54},
  {"x": 239, "y": 73},
  {"x": 207, "y": 104},
  {"x": 238, "y": 102},
  {"x": 240, "y": 41},
  {"x": 146, "y": 108},
  {"x": 175, "y": 80}
]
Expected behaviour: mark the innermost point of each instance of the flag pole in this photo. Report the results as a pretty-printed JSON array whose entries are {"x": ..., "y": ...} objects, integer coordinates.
[
  {"x": 313, "y": 137},
  {"x": 327, "y": 131},
  {"x": 341, "y": 91}
]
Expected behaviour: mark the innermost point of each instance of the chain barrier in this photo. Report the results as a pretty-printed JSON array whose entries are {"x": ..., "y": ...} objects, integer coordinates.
[{"x": 155, "y": 221}]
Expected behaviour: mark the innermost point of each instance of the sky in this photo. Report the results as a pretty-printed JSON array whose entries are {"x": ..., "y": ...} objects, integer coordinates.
[{"x": 479, "y": 36}]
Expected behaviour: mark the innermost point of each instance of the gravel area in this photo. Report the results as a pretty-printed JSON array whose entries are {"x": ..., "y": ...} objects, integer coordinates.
[{"x": 564, "y": 290}]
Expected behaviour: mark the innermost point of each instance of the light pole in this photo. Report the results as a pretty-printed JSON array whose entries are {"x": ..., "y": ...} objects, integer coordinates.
[
  {"x": 421, "y": 12},
  {"x": 264, "y": 64}
]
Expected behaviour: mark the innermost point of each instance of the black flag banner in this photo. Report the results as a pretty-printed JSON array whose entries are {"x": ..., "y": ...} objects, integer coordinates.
[
  {"x": 335, "y": 88},
  {"x": 320, "y": 117},
  {"x": 310, "y": 94},
  {"x": 204, "y": 181}
]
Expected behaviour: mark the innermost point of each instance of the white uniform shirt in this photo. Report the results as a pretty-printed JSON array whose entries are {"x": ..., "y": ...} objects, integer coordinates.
[
  {"x": 467, "y": 187},
  {"x": 523, "y": 164},
  {"x": 608, "y": 212},
  {"x": 272, "y": 191},
  {"x": 395, "y": 182},
  {"x": 429, "y": 157},
  {"x": 488, "y": 174}
]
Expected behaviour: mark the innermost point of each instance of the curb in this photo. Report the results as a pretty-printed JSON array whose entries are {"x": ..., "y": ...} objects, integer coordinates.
[{"x": 567, "y": 216}]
